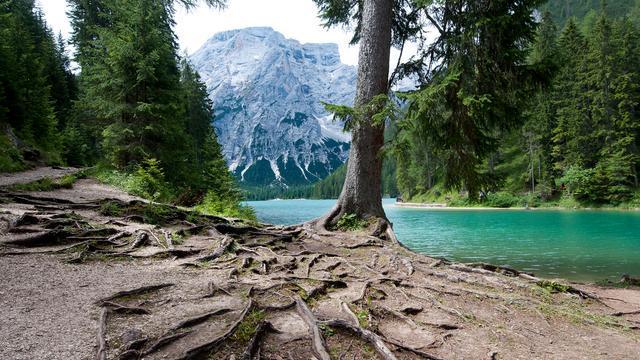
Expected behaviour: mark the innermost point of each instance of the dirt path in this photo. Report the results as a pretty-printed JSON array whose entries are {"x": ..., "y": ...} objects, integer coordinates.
[
  {"x": 203, "y": 287},
  {"x": 7, "y": 179}
]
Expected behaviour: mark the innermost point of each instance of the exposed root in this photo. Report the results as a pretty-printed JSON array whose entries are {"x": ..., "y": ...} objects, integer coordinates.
[
  {"x": 102, "y": 334},
  {"x": 345, "y": 308},
  {"x": 226, "y": 244},
  {"x": 165, "y": 340},
  {"x": 373, "y": 339},
  {"x": 623, "y": 313},
  {"x": 133, "y": 292},
  {"x": 45, "y": 238},
  {"x": 205, "y": 348},
  {"x": 418, "y": 352},
  {"x": 198, "y": 320},
  {"x": 123, "y": 309},
  {"x": 319, "y": 346},
  {"x": 254, "y": 343}
]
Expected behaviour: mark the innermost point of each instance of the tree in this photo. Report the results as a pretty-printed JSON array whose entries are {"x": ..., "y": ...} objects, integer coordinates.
[
  {"x": 362, "y": 191},
  {"x": 474, "y": 82}
]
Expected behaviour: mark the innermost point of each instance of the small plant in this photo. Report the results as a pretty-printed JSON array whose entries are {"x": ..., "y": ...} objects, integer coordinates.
[
  {"x": 110, "y": 208},
  {"x": 363, "y": 318},
  {"x": 351, "y": 222},
  {"x": 327, "y": 331},
  {"x": 177, "y": 239},
  {"x": 553, "y": 287}
]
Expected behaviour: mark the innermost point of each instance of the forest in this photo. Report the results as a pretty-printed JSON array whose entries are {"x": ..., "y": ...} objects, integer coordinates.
[
  {"x": 136, "y": 112},
  {"x": 578, "y": 136},
  {"x": 140, "y": 116},
  {"x": 573, "y": 144}
]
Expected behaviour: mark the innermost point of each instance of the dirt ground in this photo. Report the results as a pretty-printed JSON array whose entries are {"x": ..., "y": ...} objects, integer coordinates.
[{"x": 93, "y": 273}]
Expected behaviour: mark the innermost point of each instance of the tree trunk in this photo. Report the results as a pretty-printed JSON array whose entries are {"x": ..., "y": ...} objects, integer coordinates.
[{"x": 362, "y": 191}]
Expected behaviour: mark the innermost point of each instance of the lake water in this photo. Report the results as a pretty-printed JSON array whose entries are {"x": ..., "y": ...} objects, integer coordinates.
[{"x": 579, "y": 245}]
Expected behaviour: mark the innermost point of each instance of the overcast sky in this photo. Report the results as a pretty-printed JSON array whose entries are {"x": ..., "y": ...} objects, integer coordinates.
[{"x": 296, "y": 19}]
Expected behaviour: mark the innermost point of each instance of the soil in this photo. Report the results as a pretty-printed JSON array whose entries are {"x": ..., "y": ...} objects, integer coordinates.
[{"x": 93, "y": 273}]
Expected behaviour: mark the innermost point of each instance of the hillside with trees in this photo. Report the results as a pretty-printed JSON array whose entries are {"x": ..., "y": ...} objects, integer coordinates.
[
  {"x": 578, "y": 139},
  {"x": 135, "y": 108}
]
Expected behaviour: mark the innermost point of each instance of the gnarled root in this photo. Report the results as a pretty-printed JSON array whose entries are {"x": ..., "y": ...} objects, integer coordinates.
[
  {"x": 319, "y": 346},
  {"x": 373, "y": 339},
  {"x": 254, "y": 343}
]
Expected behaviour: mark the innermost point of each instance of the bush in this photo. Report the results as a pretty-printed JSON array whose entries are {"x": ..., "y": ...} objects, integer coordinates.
[
  {"x": 147, "y": 181},
  {"x": 502, "y": 199},
  {"x": 48, "y": 184},
  {"x": 10, "y": 158},
  {"x": 214, "y": 204}
]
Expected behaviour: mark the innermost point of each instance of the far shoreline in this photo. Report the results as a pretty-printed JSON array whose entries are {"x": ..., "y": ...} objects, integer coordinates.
[{"x": 436, "y": 206}]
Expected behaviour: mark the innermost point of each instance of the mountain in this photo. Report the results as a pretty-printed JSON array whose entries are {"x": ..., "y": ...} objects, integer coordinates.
[{"x": 267, "y": 92}]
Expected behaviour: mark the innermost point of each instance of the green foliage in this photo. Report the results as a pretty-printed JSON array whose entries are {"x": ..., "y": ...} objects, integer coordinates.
[
  {"x": 213, "y": 204},
  {"x": 351, "y": 222},
  {"x": 147, "y": 181},
  {"x": 552, "y": 286},
  {"x": 36, "y": 85},
  {"x": 476, "y": 83},
  {"x": 502, "y": 199},
  {"x": 110, "y": 208},
  {"x": 577, "y": 144},
  {"x": 562, "y": 10},
  {"x": 10, "y": 158},
  {"x": 48, "y": 184}
]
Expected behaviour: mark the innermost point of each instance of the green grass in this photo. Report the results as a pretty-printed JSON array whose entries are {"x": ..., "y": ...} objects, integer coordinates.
[
  {"x": 248, "y": 326},
  {"x": 48, "y": 184},
  {"x": 553, "y": 287}
]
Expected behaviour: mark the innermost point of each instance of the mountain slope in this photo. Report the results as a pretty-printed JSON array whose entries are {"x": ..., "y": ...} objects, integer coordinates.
[
  {"x": 267, "y": 92},
  {"x": 564, "y": 9}
]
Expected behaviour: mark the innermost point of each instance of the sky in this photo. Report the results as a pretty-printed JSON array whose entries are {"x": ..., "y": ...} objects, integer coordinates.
[{"x": 296, "y": 19}]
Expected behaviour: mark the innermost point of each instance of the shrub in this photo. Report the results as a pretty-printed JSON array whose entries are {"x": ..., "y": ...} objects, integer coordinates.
[
  {"x": 351, "y": 222},
  {"x": 48, "y": 184},
  {"x": 147, "y": 181},
  {"x": 502, "y": 199},
  {"x": 10, "y": 158},
  {"x": 214, "y": 204}
]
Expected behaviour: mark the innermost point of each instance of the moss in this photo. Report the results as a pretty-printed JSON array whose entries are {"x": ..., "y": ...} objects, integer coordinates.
[{"x": 248, "y": 326}]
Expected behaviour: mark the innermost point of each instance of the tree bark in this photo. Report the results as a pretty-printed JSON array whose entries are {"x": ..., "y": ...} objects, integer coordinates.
[{"x": 362, "y": 190}]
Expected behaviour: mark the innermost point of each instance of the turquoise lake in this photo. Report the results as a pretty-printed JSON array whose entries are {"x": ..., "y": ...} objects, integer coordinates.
[{"x": 581, "y": 245}]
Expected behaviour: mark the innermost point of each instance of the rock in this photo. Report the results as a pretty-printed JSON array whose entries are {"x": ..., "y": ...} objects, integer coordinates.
[{"x": 267, "y": 92}]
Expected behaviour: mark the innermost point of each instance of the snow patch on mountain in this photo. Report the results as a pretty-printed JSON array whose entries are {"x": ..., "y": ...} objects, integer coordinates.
[{"x": 268, "y": 92}]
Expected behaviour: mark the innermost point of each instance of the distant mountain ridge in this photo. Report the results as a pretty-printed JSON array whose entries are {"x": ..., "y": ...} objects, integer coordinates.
[{"x": 267, "y": 92}]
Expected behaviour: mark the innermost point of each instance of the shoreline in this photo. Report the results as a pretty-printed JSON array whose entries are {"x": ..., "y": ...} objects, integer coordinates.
[{"x": 436, "y": 206}]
